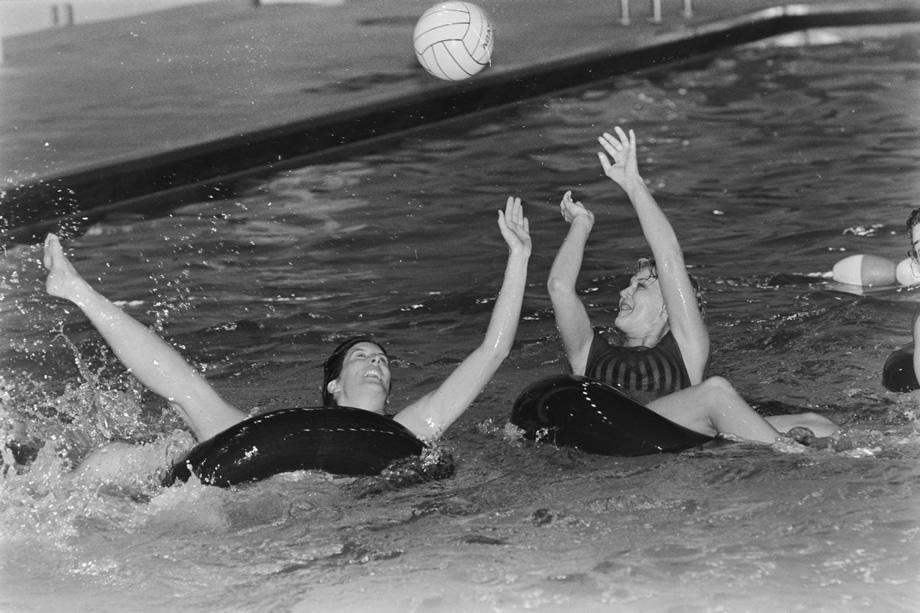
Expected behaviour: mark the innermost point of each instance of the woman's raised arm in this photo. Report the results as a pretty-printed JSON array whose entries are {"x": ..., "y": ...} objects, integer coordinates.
[
  {"x": 684, "y": 315},
  {"x": 434, "y": 412},
  {"x": 572, "y": 318}
]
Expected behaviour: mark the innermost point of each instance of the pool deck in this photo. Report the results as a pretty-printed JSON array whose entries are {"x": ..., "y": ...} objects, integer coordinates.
[{"x": 156, "y": 109}]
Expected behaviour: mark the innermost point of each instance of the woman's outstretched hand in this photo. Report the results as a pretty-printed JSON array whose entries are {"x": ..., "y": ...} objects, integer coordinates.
[
  {"x": 514, "y": 227},
  {"x": 573, "y": 209},
  {"x": 622, "y": 150}
]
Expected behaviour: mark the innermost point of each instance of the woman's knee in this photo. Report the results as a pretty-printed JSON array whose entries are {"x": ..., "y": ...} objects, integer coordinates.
[{"x": 717, "y": 387}]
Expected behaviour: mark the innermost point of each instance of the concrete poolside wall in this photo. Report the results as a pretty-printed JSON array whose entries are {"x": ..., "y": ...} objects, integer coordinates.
[
  {"x": 208, "y": 169},
  {"x": 24, "y": 16}
]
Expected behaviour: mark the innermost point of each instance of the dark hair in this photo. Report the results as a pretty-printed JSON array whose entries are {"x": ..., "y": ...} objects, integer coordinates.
[
  {"x": 332, "y": 367},
  {"x": 653, "y": 271},
  {"x": 912, "y": 221}
]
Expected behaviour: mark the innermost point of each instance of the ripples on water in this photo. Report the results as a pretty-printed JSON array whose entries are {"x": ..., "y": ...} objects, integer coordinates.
[{"x": 771, "y": 162}]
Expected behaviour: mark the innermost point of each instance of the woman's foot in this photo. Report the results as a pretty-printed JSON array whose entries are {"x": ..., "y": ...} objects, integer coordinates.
[{"x": 63, "y": 279}]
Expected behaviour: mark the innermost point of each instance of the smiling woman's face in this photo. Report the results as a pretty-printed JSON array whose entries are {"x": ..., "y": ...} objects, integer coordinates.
[
  {"x": 642, "y": 309},
  {"x": 366, "y": 369}
]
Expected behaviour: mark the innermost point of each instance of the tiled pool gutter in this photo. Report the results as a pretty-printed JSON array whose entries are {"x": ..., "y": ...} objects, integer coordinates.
[{"x": 164, "y": 180}]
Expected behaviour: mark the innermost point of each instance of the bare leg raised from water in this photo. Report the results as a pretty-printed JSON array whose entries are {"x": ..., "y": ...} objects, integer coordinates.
[
  {"x": 715, "y": 407},
  {"x": 154, "y": 362}
]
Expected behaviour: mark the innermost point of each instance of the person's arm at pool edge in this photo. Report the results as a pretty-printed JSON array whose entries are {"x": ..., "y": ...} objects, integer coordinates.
[{"x": 433, "y": 413}]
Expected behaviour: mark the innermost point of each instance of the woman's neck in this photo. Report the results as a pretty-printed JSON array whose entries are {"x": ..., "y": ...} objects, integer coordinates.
[
  {"x": 367, "y": 402},
  {"x": 649, "y": 339}
]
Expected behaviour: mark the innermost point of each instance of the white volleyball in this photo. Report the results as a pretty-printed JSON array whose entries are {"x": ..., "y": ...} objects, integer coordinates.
[{"x": 453, "y": 40}]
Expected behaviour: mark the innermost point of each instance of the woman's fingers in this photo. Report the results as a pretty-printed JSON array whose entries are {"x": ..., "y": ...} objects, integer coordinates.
[
  {"x": 605, "y": 162},
  {"x": 513, "y": 214}
]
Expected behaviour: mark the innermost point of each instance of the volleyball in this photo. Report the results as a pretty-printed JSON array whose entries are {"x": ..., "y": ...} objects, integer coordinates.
[{"x": 453, "y": 40}]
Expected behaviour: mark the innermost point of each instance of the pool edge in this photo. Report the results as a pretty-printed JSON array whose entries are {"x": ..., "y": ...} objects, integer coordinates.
[{"x": 198, "y": 172}]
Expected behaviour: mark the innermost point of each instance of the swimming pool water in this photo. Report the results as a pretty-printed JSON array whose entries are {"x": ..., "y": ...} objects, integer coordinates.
[{"x": 772, "y": 162}]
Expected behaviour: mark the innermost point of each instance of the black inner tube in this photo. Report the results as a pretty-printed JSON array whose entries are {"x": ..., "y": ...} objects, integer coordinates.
[
  {"x": 597, "y": 418},
  {"x": 339, "y": 440}
]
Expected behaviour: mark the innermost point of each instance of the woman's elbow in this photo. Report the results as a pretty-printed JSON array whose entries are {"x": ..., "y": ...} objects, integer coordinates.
[
  {"x": 492, "y": 355},
  {"x": 558, "y": 286},
  {"x": 499, "y": 352}
]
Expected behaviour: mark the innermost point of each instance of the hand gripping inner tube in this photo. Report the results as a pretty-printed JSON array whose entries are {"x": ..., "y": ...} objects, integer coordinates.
[
  {"x": 575, "y": 411},
  {"x": 340, "y": 440},
  {"x": 898, "y": 373}
]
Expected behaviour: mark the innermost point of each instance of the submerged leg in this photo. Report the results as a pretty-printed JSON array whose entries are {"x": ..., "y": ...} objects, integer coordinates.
[
  {"x": 818, "y": 424},
  {"x": 152, "y": 360}
]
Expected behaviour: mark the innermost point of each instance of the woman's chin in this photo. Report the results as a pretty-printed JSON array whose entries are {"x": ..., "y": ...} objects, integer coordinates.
[{"x": 622, "y": 321}]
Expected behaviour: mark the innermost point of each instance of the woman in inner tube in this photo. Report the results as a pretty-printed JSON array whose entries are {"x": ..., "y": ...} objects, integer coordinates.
[
  {"x": 662, "y": 363},
  {"x": 357, "y": 374}
]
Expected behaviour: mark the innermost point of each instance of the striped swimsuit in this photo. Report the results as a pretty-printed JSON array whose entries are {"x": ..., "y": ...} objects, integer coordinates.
[{"x": 643, "y": 373}]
